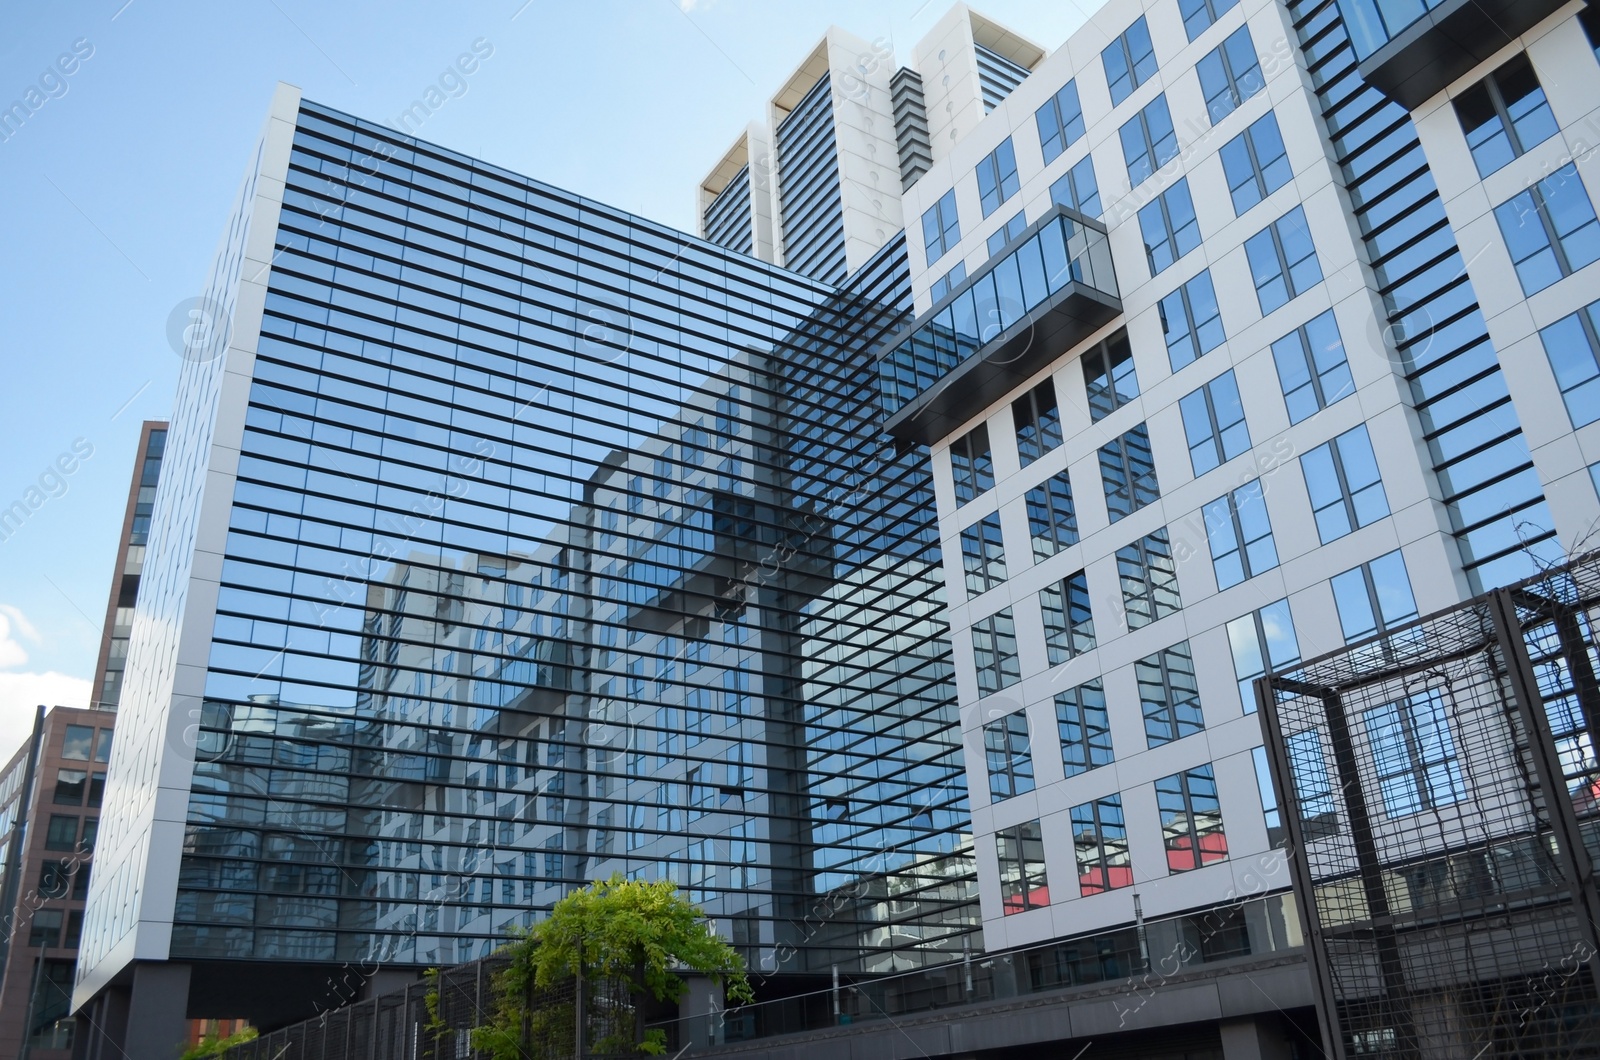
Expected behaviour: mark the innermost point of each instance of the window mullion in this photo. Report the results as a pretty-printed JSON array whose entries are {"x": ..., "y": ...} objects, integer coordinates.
[
  {"x": 1216, "y": 425},
  {"x": 1497, "y": 101},
  {"x": 1311, "y": 366},
  {"x": 1256, "y": 170},
  {"x": 1238, "y": 533},
  {"x": 1344, "y": 483},
  {"x": 1283, "y": 262},
  {"x": 1542, "y": 208}
]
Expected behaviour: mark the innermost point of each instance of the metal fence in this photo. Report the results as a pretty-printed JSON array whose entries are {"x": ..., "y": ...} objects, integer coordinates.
[
  {"x": 408, "y": 1025},
  {"x": 1442, "y": 800}
]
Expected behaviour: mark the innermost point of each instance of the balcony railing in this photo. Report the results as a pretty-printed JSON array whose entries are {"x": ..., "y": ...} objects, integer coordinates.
[{"x": 1047, "y": 290}]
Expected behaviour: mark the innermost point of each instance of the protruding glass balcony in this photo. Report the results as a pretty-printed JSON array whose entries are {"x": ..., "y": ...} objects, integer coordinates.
[
  {"x": 1411, "y": 49},
  {"x": 1046, "y": 291}
]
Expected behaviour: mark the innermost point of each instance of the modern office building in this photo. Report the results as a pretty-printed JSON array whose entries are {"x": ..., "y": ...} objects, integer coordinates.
[
  {"x": 1018, "y": 411},
  {"x": 50, "y": 799},
  {"x": 131, "y": 545},
  {"x": 512, "y": 541}
]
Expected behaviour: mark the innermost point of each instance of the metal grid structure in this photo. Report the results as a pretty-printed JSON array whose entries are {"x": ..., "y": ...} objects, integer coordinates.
[{"x": 1442, "y": 801}]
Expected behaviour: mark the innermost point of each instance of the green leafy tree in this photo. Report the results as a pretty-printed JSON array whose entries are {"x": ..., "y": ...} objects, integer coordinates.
[{"x": 629, "y": 931}]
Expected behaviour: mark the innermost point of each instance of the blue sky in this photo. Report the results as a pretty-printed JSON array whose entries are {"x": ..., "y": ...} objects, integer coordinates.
[{"x": 116, "y": 187}]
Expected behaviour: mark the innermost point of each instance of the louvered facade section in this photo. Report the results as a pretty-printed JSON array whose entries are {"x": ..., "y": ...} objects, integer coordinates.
[{"x": 810, "y": 205}]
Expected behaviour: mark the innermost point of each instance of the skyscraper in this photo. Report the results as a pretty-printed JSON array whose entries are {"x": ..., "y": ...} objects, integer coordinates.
[
  {"x": 498, "y": 549},
  {"x": 130, "y": 565},
  {"x": 1020, "y": 410}
]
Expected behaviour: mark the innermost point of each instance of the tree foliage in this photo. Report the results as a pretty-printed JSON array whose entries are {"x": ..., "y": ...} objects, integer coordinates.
[
  {"x": 624, "y": 930},
  {"x": 212, "y": 1045}
]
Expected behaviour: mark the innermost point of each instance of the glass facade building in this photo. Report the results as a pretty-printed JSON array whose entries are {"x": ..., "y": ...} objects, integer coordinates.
[
  {"x": 557, "y": 544},
  {"x": 508, "y": 540}
]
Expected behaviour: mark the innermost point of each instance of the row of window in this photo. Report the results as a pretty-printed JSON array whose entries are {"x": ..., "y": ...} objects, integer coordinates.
[
  {"x": 1191, "y": 830},
  {"x": 1409, "y": 742},
  {"x": 1371, "y": 598},
  {"x": 1229, "y": 74},
  {"x": 1313, "y": 372}
]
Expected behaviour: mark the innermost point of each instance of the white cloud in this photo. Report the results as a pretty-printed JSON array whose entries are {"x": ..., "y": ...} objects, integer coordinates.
[
  {"x": 14, "y": 629},
  {"x": 21, "y": 692}
]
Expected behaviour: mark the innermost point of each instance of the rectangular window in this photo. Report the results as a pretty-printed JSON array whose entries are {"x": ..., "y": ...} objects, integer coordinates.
[
  {"x": 994, "y": 650},
  {"x": 1108, "y": 377},
  {"x": 972, "y": 464},
  {"x": 1415, "y": 754},
  {"x": 1169, "y": 695},
  {"x": 1069, "y": 625},
  {"x": 1283, "y": 261},
  {"x": 1068, "y": 621},
  {"x": 1191, "y": 819},
  {"x": 1240, "y": 535},
  {"x": 1213, "y": 420},
  {"x": 1229, "y": 74},
  {"x": 1128, "y": 473},
  {"x": 1260, "y": 641},
  {"x": 77, "y": 742},
  {"x": 1342, "y": 480},
  {"x": 1255, "y": 163},
  {"x": 672, "y": 816},
  {"x": 1169, "y": 227},
  {"x": 666, "y": 730},
  {"x": 1022, "y": 877},
  {"x": 941, "y": 227},
  {"x": 1149, "y": 577},
  {"x": 1006, "y": 233},
  {"x": 1198, "y": 15},
  {"x": 1077, "y": 189},
  {"x": 45, "y": 928},
  {"x": 1550, "y": 229},
  {"x": 1505, "y": 114},
  {"x": 1085, "y": 728},
  {"x": 1276, "y": 836},
  {"x": 62, "y": 833},
  {"x": 1148, "y": 141},
  {"x": 1312, "y": 368},
  {"x": 1100, "y": 846},
  {"x": 102, "y": 745},
  {"x": 949, "y": 281},
  {"x": 1038, "y": 420},
  {"x": 1374, "y": 597},
  {"x": 1129, "y": 61},
  {"x": 91, "y": 827},
  {"x": 1191, "y": 321},
  {"x": 983, "y": 555},
  {"x": 70, "y": 786},
  {"x": 55, "y": 879},
  {"x": 997, "y": 177},
  {"x": 1313, "y": 785},
  {"x": 1052, "y": 522},
  {"x": 1005, "y": 747},
  {"x": 1572, "y": 345},
  {"x": 1060, "y": 122},
  {"x": 636, "y": 836}
]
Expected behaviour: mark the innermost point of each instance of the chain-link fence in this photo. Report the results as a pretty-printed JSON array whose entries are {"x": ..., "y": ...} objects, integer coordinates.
[{"x": 1442, "y": 801}]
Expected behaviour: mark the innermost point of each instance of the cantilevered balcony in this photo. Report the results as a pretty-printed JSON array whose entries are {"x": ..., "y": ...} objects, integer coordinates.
[
  {"x": 1411, "y": 49},
  {"x": 1046, "y": 291}
]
